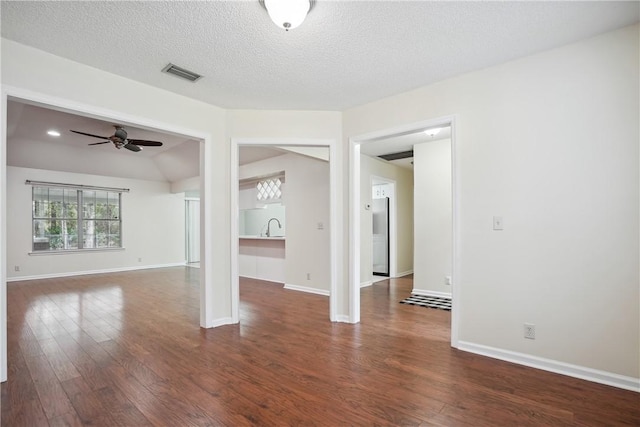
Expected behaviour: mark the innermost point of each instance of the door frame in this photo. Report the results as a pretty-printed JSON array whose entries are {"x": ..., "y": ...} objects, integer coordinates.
[
  {"x": 355, "y": 143},
  {"x": 205, "y": 141},
  {"x": 236, "y": 143}
]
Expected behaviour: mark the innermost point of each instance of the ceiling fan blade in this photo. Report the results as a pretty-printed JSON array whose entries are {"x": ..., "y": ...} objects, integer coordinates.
[
  {"x": 144, "y": 142},
  {"x": 98, "y": 143},
  {"x": 132, "y": 147},
  {"x": 88, "y": 134}
]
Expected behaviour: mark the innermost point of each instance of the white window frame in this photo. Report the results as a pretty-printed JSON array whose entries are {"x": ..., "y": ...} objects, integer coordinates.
[{"x": 80, "y": 194}]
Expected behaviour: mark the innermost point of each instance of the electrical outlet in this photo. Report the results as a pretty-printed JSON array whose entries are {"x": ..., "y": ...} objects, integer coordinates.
[
  {"x": 308, "y": 276},
  {"x": 139, "y": 259},
  {"x": 16, "y": 268},
  {"x": 447, "y": 280},
  {"x": 530, "y": 331}
]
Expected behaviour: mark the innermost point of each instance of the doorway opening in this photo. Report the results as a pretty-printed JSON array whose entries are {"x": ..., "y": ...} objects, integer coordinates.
[
  {"x": 271, "y": 229},
  {"x": 398, "y": 144},
  {"x": 384, "y": 228},
  {"x": 202, "y": 142}
]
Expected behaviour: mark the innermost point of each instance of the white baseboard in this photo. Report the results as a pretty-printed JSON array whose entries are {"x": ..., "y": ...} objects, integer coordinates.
[
  {"x": 404, "y": 273},
  {"x": 343, "y": 318},
  {"x": 381, "y": 278},
  {"x": 277, "y": 282},
  {"x": 429, "y": 293},
  {"x": 306, "y": 289},
  {"x": 221, "y": 322},
  {"x": 87, "y": 272},
  {"x": 584, "y": 373}
]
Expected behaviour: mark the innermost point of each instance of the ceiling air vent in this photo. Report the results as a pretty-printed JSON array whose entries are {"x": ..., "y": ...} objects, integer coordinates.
[
  {"x": 397, "y": 156},
  {"x": 181, "y": 72}
]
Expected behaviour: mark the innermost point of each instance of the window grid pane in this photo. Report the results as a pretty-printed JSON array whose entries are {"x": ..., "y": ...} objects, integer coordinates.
[{"x": 56, "y": 219}]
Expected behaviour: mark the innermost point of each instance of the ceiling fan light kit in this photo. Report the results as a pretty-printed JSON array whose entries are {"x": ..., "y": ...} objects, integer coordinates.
[
  {"x": 120, "y": 139},
  {"x": 287, "y": 14}
]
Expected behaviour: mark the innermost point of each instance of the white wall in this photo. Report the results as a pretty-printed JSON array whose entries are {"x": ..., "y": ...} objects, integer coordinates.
[
  {"x": 433, "y": 220},
  {"x": 370, "y": 167},
  {"x": 306, "y": 200},
  {"x": 153, "y": 227},
  {"x": 549, "y": 142}
]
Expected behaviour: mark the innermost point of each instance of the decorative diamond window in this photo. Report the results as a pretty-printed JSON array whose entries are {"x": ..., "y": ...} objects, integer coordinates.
[{"x": 269, "y": 189}]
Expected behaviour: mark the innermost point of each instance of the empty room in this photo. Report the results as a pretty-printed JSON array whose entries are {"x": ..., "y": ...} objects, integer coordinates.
[{"x": 124, "y": 196}]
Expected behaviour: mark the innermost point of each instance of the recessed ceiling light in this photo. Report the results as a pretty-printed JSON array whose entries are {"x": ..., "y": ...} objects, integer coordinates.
[
  {"x": 53, "y": 132},
  {"x": 432, "y": 132}
]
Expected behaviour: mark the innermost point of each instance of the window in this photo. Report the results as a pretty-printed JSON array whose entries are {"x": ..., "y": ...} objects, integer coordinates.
[
  {"x": 68, "y": 218},
  {"x": 269, "y": 189}
]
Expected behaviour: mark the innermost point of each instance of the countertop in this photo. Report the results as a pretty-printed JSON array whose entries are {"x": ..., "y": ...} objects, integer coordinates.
[{"x": 262, "y": 238}]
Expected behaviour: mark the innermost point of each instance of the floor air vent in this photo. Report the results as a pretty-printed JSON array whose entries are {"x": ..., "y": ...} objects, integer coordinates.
[{"x": 181, "y": 72}]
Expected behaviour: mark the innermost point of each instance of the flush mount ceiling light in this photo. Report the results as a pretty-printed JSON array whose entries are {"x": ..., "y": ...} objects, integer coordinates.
[
  {"x": 287, "y": 14},
  {"x": 432, "y": 132},
  {"x": 53, "y": 132}
]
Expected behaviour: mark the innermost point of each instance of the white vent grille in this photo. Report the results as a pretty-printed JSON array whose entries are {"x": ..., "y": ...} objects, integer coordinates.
[{"x": 181, "y": 72}]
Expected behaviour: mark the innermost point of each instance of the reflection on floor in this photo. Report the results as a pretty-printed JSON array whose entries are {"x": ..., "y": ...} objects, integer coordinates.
[{"x": 125, "y": 349}]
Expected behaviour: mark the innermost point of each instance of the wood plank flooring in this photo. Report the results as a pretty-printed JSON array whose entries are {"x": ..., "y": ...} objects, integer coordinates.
[{"x": 125, "y": 350}]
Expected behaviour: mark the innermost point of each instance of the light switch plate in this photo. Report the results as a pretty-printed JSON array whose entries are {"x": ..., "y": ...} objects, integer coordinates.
[{"x": 498, "y": 224}]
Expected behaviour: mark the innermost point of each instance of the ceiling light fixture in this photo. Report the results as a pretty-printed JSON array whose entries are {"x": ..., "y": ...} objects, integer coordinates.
[
  {"x": 287, "y": 14},
  {"x": 53, "y": 132},
  {"x": 432, "y": 132}
]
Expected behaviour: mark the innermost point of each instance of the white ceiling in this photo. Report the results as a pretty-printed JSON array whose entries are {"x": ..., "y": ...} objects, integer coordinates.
[
  {"x": 177, "y": 159},
  {"x": 345, "y": 54},
  {"x": 27, "y": 127},
  {"x": 399, "y": 144},
  {"x": 32, "y": 122},
  {"x": 248, "y": 154}
]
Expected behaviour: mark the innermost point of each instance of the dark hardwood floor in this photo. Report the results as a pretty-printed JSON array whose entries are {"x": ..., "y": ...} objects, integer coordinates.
[{"x": 125, "y": 349}]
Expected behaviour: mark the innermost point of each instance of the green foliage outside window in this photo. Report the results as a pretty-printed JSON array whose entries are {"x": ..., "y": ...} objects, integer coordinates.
[{"x": 56, "y": 219}]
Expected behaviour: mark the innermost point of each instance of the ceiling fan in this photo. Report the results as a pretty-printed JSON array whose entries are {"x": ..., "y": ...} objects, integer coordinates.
[{"x": 119, "y": 139}]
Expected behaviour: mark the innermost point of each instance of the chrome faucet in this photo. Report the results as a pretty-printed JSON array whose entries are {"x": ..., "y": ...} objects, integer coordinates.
[{"x": 269, "y": 226}]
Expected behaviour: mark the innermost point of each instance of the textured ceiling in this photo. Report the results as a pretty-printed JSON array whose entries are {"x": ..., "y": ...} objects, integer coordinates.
[{"x": 345, "y": 54}]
